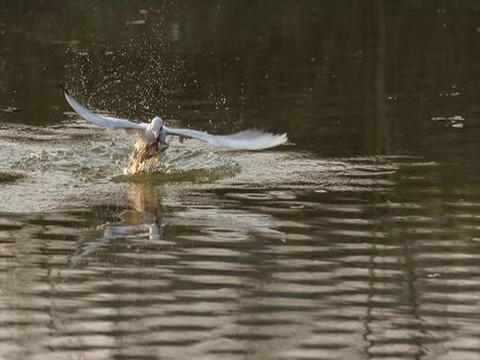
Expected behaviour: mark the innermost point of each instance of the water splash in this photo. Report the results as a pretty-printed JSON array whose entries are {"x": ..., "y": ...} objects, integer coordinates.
[
  {"x": 144, "y": 158},
  {"x": 176, "y": 164}
]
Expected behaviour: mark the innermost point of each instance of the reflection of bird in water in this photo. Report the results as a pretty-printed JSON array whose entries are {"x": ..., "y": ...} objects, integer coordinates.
[
  {"x": 152, "y": 139},
  {"x": 144, "y": 222},
  {"x": 145, "y": 201}
]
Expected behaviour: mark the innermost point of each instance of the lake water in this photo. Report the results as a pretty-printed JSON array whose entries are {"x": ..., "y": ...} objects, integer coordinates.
[{"x": 359, "y": 239}]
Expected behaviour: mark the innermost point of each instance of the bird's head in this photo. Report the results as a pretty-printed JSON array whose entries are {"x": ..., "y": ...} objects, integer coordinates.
[
  {"x": 159, "y": 132},
  {"x": 156, "y": 124}
]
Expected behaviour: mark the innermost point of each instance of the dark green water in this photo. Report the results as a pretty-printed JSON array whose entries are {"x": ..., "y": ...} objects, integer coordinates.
[{"x": 360, "y": 239}]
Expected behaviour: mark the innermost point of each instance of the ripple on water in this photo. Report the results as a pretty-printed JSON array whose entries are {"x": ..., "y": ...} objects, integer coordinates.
[
  {"x": 285, "y": 256},
  {"x": 6, "y": 177},
  {"x": 193, "y": 175}
]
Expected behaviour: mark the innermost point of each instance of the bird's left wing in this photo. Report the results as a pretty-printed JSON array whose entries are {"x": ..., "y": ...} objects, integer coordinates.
[
  {"x": 101, "y": 120},
  {"x": 244, "y": 140}
]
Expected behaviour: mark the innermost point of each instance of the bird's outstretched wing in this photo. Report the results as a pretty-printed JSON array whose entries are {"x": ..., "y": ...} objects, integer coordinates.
[
  {"x": 244, "y": 140},
  {"x": 101, "y": 120}
]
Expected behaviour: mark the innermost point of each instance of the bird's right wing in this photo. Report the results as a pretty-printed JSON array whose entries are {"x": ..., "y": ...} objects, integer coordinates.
[
  {"x": 244, "y": 140},
  {"x": 101, "y": 120}
]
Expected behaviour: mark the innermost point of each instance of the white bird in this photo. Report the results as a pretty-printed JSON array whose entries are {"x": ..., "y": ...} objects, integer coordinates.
[{"x": 155, "y": 133}]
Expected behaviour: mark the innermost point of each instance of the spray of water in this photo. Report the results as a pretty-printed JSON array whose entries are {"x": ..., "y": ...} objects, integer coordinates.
[{"x": 144, "y": 158}]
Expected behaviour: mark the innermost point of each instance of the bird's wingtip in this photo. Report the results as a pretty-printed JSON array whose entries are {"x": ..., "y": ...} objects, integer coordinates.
[
  {"x": 61, "y": 87},
  {"x": 64, "y": 89},
  {"x": 283, "y": 137}
]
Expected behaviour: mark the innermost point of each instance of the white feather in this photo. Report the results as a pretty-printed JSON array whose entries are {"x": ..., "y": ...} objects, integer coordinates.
[
  {"x": 100, "y": 120},
  {"x": 244, "y": 140}
]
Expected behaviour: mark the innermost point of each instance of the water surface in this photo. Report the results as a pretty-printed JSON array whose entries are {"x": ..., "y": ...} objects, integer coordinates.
[{"x": 360, "y": 239}]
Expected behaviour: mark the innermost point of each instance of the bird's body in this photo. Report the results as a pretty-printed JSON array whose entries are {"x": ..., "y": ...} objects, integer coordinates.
[{"x": 152, "y": 139}]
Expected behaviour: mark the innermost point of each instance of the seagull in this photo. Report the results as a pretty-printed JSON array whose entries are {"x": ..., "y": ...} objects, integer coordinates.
[{"x": 153, "y": 135}]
